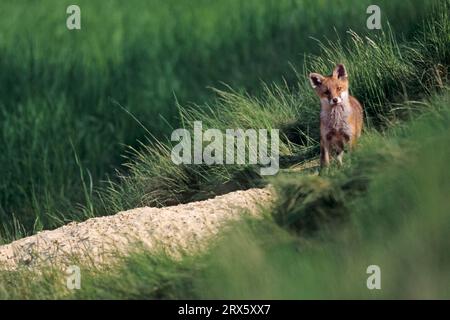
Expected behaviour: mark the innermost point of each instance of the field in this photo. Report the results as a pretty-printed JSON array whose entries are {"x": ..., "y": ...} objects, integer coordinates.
[
  {"x": 326, "y": 258},
  {"x": 87, "y": 116},
  {"x": 66, "y": 97}
]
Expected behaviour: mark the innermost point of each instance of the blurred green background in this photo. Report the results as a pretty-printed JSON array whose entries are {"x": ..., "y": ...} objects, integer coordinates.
[{"x": 63, "y": 93}]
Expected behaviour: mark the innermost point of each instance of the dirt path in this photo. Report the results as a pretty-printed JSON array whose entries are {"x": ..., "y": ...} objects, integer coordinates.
[{"x": 186, "y": 226}]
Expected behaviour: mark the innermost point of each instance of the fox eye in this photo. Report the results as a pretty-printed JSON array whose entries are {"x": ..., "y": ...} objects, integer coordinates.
[
  {"x": 327, "y": 92},
  {"x": 339, "y": 88}
]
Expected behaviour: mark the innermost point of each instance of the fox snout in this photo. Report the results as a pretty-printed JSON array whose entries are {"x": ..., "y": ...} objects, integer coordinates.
[{"x": 336, "y": 100}]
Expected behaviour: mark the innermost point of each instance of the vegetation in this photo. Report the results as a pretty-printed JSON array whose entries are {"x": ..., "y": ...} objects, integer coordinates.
[
  {"x": 262, "y": 259},
  {"x": 387, "y": 206},
  {"x": 397, "y": 71},
  {"x": 67, "y": 96}
]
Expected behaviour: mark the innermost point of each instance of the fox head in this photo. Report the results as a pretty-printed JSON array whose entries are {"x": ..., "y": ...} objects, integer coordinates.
[{"x": 332, "y": 90}]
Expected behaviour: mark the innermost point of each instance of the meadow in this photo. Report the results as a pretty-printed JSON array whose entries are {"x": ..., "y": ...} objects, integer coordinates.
[
  {"x": 387, "y": 206},
  {"x": 71, "y": 102},
  {"x": 317, "y": 242}
]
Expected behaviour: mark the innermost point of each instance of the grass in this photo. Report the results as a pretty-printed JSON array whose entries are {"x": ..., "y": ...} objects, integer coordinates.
[
  {"x": 398, "y": 71},
  {"x": 387, "y": 206},
  {"x": 269, "y": 259},
  {"x": 62, "y": 126}
]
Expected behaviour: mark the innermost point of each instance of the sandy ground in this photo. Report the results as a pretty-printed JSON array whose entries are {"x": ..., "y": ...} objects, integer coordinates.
[{"x": 186, "y": 227}]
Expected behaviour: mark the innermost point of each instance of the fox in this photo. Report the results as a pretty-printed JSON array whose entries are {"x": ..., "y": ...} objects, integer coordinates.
[{"x": 341, "y": 115}]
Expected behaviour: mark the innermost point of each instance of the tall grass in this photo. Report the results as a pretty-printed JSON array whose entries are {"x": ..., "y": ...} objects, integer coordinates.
[
  {"x": 398, "y": 221},
  {"x": 61, "y": 88},
  {"x": 387, "y": 206},
  {"x": 384, "y": 71}
]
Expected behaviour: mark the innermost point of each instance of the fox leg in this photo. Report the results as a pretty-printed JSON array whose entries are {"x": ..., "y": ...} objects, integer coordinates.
[
  {"x": 340, "y": 151},
  {"x": 352, "y": 144},
  {"x": 340, "y": 155},
  {"x": 324, "y": 155}
]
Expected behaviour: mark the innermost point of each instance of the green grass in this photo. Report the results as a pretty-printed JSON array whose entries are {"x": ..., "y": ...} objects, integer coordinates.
[
  {"x": 384, "y": 72},
  {"x": 388, "y": 205},
  {"x": 398, "y": 220},
  {"x": 62, "y": 129}
]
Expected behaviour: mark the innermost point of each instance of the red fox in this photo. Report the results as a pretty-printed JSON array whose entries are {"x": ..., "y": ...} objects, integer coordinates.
[{"x": 341, "y": 115}]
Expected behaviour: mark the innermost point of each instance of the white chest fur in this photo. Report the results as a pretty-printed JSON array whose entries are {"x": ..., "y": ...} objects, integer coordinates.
[{"x": 336, "y": 119}]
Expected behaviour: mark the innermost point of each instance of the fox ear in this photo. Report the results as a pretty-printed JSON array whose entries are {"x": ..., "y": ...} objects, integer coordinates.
[
  {"x": 340, "y": 72},
  {"x": 316, "y": 79}
]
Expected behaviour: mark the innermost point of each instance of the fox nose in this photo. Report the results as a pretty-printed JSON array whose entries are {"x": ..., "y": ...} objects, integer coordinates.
[{"x": 335, "y": 100}]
